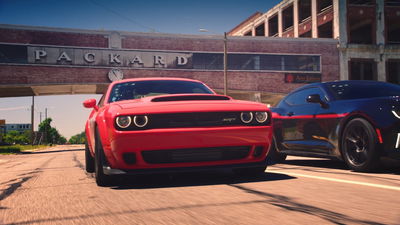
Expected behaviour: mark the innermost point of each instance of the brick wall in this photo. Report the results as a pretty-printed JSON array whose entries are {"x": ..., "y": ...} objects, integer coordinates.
[{"x": 246, "y": 81}]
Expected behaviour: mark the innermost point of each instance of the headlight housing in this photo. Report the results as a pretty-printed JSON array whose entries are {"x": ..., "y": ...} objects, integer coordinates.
[
  {"x": 123, "y": 121},
  {"x": 261, "y": 117},
  {"x": 246, "y": 117},
  {"x": 140, "y": 121}
]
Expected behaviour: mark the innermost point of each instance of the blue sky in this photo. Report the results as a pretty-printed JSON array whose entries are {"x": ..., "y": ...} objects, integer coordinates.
[{"x": 174, "y": 16}]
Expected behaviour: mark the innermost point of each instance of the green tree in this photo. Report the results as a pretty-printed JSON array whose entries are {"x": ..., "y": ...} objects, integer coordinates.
[
  {"x": 15, "y": 137},
  {"x": 78, "y": 138},
  {"x": 51, "y": 134}
]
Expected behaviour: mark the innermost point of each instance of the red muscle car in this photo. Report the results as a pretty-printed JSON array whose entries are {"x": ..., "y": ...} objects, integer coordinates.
[{"x": 171, "y": 124}]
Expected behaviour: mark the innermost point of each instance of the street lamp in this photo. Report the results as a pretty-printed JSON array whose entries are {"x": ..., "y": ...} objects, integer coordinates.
[{"x": 225, "y": 60}]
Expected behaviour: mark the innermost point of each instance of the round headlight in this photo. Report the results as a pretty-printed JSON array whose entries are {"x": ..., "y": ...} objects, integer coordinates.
[
  {"x": 123, "y": 121},
  {"x": 261, "y": 117},
  {"x": 246, "y": 117},
  {"x": 140, "y": 121}
]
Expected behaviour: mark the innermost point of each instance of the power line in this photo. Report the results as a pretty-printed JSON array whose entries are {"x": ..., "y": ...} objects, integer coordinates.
[{"x": 123, "y": 16}]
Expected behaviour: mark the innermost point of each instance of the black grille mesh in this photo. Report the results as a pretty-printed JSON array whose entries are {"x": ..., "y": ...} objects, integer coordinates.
[{"x": 195, "y": 154}]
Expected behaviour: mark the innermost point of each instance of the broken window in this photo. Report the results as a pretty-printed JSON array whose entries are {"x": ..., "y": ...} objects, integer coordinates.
[
  {"x": 326, "y": 30},
  {"x": 392, "y": 25},
  {"x": 304, "y": 10},
  {"x": 393, "y": 71},
  {"x": 249, "y": 33},
  {"x": 287, "y": 17},
  {"x": 323, "y": 5},
  {"x": 260, "y": 30},
  {"x": 362, "y": 69},
  {"x": 273, "y": 26},
  {"x": 361, "y": 2}
]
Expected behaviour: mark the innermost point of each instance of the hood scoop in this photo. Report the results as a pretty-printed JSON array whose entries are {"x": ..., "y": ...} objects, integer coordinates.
[{"x": 190, "y": 98}]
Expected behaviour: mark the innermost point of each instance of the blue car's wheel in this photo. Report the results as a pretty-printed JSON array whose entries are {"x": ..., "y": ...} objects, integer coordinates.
[{"x": 360, "y": 146}]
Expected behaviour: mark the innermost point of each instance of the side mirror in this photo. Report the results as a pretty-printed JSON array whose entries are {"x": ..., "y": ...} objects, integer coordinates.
[
  {"x": 316, "y": 98},
  {"x": 90, "y": 103}
]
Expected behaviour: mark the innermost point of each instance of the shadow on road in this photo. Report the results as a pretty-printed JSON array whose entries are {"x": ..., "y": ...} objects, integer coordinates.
[
  {"x": 387, "y": 166},
  {"x": 191, "y": 179},
  {"x": 55, "y": 151}
]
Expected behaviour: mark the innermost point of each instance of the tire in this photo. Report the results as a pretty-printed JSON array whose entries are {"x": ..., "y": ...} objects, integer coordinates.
[
  {"x": 89, "y": 160},
  {"x": 99, "y": 159},
  {"x": 359, "y": 145},
  {"x": 274, "y": 156}
]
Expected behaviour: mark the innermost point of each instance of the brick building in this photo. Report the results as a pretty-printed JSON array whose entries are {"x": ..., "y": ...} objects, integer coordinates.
[
  {"x": 367, "y": 31},
  {"x": 43, "y": 61}
]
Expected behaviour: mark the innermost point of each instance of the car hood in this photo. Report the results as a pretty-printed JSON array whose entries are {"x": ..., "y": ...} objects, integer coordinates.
[{"x": 185, "y": 103}]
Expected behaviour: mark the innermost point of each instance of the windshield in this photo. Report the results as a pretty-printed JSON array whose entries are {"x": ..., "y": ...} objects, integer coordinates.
[
  {"x": 141, "y": 89},
  {"x": 352, "y": 90}
]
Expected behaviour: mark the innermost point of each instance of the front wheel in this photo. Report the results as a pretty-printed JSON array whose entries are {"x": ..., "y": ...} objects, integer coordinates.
[
  {"x": 89, "y": 160},
  {"x": 274, "y": 156},
  {"x": 101, "y": 178},
  {"x": 360, "y": 146}
]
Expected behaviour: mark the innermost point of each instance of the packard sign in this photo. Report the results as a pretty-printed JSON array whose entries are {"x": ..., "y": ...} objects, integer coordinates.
[{"x": 107, "y": 58}]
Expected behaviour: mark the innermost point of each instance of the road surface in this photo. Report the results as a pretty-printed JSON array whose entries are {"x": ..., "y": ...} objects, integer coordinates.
[{"x": 51, "y": 187}]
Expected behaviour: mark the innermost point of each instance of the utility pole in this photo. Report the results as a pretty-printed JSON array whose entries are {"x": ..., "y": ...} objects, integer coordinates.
[
  {"x": 32, "y": 119},
  {"x": 45, "y": 114},
  {"x": 225, "y": 65}
]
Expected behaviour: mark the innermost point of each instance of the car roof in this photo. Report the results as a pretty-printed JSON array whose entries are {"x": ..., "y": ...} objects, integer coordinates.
[
  {"x": 329, "y": 83},
  {"x": 156, "y": 78}
]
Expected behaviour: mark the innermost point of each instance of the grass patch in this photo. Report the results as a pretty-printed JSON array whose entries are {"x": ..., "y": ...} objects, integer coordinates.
[{"x": 15, "y": 149}]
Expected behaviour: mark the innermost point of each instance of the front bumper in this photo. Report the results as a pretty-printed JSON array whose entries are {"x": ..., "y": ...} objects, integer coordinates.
[
  {"x": 110, "y": 171},
  {"x": 180, "y": 139}
]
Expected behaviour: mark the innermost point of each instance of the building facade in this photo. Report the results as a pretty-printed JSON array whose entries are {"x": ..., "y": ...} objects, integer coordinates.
[
  {"x": 44, "y": 61},
  {"x": 367, "y": 31}
]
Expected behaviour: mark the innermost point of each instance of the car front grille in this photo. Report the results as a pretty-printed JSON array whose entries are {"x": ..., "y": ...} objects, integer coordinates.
[{"x": 195, "y": 154}]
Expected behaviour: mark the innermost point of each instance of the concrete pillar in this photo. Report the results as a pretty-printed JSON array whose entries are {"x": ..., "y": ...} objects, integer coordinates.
[
  {"x": 314, "y": 18},
  {"x": 343, "y": 24},
  {"x": 380, "y": 40},
  {"x": 380, "y": 22},
  {"x": 336, "y": 19},
  {"x": 253, "y": 31},
  {"x": 343, "y": 57},
  {"x": 280, "y": 23},
  {"x": 381, "y": 68},
  {"x": 296, "y": 18},
  {"x": 344, "y": 64},
  {"x": 266, "y": 27}
]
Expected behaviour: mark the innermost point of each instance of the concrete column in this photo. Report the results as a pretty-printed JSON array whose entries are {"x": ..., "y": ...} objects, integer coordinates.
[
  {"x": 314, "y": 18},
  {"x": 296, "y": 18},
  {"x": 380, "y": 22},
  {"x": 253, "y": 31},
  {"x": 266, "y": 27},
  {"x": 344, "y": 64},
  {"x": 336, "y": 19},
  {"x": 381, "y": 68},
  {"x": 280, "y": 23},
  {"x": 343, "y": 38}
]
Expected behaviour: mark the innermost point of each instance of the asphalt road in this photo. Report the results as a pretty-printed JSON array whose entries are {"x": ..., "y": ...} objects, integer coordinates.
[{"x": 51, "y": 187}]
